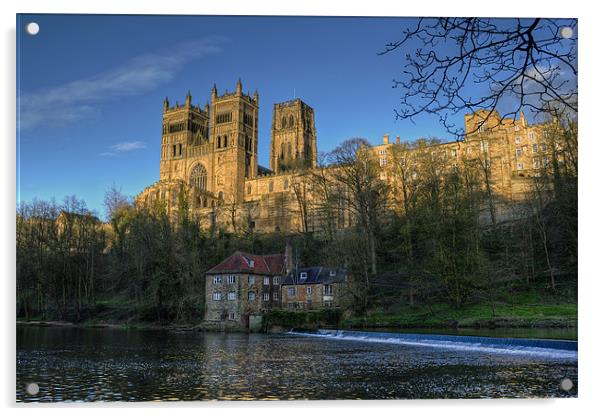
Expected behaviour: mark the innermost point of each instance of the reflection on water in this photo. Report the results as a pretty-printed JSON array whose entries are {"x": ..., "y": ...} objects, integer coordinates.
[{"x": 105, "y": 364}]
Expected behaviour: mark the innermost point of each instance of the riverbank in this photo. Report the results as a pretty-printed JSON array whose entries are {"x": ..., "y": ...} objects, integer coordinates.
[{"x": 560, "y": 315}]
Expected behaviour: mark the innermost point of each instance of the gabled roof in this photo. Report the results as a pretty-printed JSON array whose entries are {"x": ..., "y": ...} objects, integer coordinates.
[
  {"x": 316, "y": 275},
  {"x": 241, "y": 262}
]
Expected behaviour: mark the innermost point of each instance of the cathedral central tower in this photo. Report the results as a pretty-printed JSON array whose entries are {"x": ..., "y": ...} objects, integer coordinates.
[{"x": 293, "y": 136}]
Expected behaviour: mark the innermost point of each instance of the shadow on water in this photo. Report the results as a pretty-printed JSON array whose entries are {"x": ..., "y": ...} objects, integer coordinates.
[{"x": 75, "y": 364}]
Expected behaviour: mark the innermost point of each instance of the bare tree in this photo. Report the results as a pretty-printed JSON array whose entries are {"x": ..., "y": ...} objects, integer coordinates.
[{"x": 455, "y": 65}]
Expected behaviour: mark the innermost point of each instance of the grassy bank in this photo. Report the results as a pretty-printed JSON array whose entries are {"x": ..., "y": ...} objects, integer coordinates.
[{"x": 474, "y": 316}]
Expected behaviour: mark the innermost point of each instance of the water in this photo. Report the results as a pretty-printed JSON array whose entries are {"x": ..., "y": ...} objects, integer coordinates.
[{"x": 74, "y": 364}]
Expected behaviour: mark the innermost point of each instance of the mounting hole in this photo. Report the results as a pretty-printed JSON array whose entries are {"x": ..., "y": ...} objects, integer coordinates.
[
  {"x": 566, "y": 32},
  {"x": 32, "y": 389},
  {"x": 566, "y": 384},
  {"x": 32, "y": 28}
]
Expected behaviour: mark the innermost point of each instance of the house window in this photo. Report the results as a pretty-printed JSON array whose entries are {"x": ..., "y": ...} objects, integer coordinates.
[
  {"x": 536, "y": 163},
  {"x": 303, "y": 275},
  {"x": 217, "y": 280},
  {"x": 454, "y": 152},
  {"x": 517, "y": 140},
  {"x": 231, "y": 279},
  {"x": 544, "y": 147},
  {"x": 275, "y": 295},
  {"x": 266, "y": 296},
  {"x": 328, "y": 290},
  {"x": 516, "y": 128},
  {"x": 291, "y": 291},
  {"x": 290, "y": 305},
  {"x": 519, "y": 152},
  {"x": 266, "y": 281},
  {"x": 231, "y": 295},
  {"x": 248, "y": 189},
  {"x": 308, "y": 290},
  {"x": 484, "y": 147},
  {"x": 545, "y": 162},
  {"x": 217, "y": 296},
  {"x": 251, "y": 295},
  {"x": 231, "y": 316},
  {"x": 276, "y": 280},
  {"x": 251, "y": 280},
  {"x": 519, "y": 166},
  {"x": 327, "y": 304},
  {"x": 531, "y": 135},
  {"x": 534, "y": 147},
  {"x": 383, "y": 161}
]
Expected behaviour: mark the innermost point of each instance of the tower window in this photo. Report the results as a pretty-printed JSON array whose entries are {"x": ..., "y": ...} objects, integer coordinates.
[
  {"x": 173, "y": 150},
  {"x": 283, "y": 122},
  {"x": 271, "y": 186},
  {"x": 219, "y": 141},
  {"x": 225, "y": 141},
  {"x": 198, "y": 177},
  {"x": 180, "y": 149},
  {"x": 291, "y": 121}
]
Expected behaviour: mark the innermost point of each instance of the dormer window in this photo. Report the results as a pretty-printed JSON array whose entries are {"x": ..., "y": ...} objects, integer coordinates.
[
  {"x": 333, "y": 273},
  {"x": 250, "y": 262},
  {"x": 303, "y": 275}
]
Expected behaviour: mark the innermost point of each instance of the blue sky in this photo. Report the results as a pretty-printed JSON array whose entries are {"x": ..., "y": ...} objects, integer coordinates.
[{"x": 91, "y": 89}]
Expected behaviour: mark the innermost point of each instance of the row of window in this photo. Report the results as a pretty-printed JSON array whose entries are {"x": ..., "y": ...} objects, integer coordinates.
[
  {"x": 231, "y": 279},
  {"x": 285, "y": 185},
  {"x": 223, "y": 118},
  {"x": 535, "y": 148},
  {"x": 292, "y": 291},
  {"x": 537, "y": 164},
  {"x": 217, "y": 296}
]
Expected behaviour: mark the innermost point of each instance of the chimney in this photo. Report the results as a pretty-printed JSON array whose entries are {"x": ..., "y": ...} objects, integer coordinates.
[
  {"x": 397, "y": 140},
  {"x": 288, "y": 256},
  {"x": 386, "y": 139}
]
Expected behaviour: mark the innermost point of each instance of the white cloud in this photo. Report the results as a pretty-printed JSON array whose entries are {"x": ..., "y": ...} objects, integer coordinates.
[
  {"x": 123, "y": 147},
  {"x": 77, "y": 99}
]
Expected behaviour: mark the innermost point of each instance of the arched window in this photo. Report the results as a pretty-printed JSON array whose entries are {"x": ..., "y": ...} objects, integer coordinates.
[
  {"x": 198, "y": 178},
  {"x": 249, "y": 189},
  {"x": 283, "y": 122},
  {"x": 291, "y": 121},
  {"x": 286, "y": 184},
  {"x": 220, "y": 196},
  {"x": 219, "y": 142},
  {"x": 225, "y": 141},
  {"x": 271, "y": 186}
]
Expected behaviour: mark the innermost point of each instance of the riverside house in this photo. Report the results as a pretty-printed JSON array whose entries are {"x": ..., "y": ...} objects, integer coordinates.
[
  {"x": 241, "y": 288},
  {"x": 314, "y": 288}
]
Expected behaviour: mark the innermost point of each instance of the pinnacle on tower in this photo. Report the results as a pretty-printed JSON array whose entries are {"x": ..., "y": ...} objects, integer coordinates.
[
  {"x": 214, "y": 91},
  {"x": 238, "y": 87},
  {"x": 188, "y": 99},
  {"x": 166, "y": 104}
]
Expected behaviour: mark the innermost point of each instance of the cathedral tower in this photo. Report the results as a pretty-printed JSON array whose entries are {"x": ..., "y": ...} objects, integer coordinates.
[
  {"x": 293, "y": 136},
  {"x": 233, "y": 132},
  {"x": 184, "y": 127}
]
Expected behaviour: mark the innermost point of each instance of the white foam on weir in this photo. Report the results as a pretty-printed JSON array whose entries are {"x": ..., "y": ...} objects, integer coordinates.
[{"x": 550, "y": 353}]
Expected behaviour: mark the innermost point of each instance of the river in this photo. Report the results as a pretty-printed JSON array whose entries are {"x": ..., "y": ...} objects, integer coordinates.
[{"x": 80, "y": 364}]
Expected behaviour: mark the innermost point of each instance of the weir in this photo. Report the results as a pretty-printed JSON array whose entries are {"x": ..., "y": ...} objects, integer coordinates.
[{"x": 556, "y": 349}]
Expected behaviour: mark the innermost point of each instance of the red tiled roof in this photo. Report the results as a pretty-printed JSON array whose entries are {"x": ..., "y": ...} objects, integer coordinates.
[{"x": 240, "y": 262}]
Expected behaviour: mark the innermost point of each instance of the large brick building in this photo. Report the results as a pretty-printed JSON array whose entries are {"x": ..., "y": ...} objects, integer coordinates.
[{"x": 210, "y": 154}]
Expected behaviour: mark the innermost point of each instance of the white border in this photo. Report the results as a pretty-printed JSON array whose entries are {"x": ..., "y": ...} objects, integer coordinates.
[{"x": 589, "y": 232}]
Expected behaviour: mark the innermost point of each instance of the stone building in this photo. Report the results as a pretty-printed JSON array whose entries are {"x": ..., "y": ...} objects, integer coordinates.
[
  {"x": 210, "y": 155},
  {"x": 315, "y": 288},
  {"x": 241, "y": 288}
]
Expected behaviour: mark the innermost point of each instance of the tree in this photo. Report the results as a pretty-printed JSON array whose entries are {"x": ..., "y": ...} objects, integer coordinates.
[{"x": 466, "y": 64}]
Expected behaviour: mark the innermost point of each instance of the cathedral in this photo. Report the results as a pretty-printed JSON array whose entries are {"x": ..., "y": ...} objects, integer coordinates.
[{"x": 209, "y": 155}]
